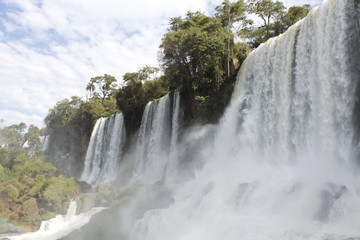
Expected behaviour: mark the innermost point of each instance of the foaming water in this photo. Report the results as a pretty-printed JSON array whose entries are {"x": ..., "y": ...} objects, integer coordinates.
[{"x": 59, "y": 226}]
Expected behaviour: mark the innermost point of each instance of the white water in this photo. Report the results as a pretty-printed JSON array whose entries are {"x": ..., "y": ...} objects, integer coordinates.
[
  {"x": 281, "y": 165},
  {"x": 156, "y": 145},
  {"x": 59, "y": 226},
  {"x": 104, "y": 150},
  {"x": 44, "y": 140}
]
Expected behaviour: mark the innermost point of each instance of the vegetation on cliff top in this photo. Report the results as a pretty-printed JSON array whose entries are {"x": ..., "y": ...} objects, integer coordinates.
[{"x": 199, "y": 55}]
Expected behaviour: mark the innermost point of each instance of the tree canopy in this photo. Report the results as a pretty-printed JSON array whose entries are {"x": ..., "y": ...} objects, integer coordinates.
[{"x": 105, "y": 84}]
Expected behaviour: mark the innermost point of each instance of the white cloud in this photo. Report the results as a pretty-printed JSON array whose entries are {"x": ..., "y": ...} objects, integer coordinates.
[
  {"x": 15, "y": 117},
  {"x": 53, "y": 48}
]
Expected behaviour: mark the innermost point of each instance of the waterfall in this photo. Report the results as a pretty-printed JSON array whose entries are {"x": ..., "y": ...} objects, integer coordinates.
[
  {"x": 282, "y": 164},
  {"x": 44, "y": 140},
  {"x": 105, "y": 150},
  {"x": 158, "y": 135}
]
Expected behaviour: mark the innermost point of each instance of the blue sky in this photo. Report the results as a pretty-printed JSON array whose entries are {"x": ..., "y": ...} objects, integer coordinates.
[{"x": 49, "y": 50}]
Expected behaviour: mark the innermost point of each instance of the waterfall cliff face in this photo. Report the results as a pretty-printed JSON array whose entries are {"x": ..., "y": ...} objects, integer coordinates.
[
  {"x": 282, "y": 165},
  {"x": 105, "y": 150},
  {"x": 156, "y": 145}
]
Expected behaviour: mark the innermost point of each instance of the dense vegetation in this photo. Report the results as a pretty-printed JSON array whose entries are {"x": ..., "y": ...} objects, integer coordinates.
[{"x": 31, "y": 189}]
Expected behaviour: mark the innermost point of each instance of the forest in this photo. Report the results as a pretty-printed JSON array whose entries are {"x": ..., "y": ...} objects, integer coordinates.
[{"x": 200, "y": 56}]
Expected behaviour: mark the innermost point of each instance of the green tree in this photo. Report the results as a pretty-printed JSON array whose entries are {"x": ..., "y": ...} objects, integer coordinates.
[
  {"x": 276, "y": 19},
  {"x": 271, "y": 14},
  {"x": 229, "y": 13},
  {"x": 33, "y": 139},
  {"x": 138, "y": 90},
  {"x": 12, "y": 136},
  {"x": 106, "y": 85},
  {"x": 148, "y": 73},
  {"x": 3, "y": 156},
  {"x": 268, "y": 11},
  {"x": 295, "y": 13},
  {"x": 193, "y": 55}
]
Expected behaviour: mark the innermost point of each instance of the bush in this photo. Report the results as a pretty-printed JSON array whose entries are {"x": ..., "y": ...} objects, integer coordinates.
[
  {"x": 11, "y": 191},
  {"x": 56, "y": 190}
]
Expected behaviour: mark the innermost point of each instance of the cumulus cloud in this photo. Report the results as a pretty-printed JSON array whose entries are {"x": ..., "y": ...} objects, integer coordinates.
[{"x": 51, "y": 49}]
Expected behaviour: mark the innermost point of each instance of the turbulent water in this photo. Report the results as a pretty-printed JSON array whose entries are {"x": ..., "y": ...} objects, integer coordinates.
[
  {"x": 283, "y": 161},
  {"x": 105, "y": 150},
  {"x": 59, "y": 226}
]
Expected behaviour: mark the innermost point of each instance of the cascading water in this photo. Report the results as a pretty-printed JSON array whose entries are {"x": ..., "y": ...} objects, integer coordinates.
[
  {"x": 60, "y": 225},
  {"x": 44, "y": 140},
  {"x": 105, "y": 150},
  {"x": 158, "y": 135},
  {"x": 282, "y": 165}
]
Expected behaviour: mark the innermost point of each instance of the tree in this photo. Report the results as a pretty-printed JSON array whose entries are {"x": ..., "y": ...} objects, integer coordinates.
[
  {"x": 193, "y": 55},
  {"x": 295, "y": 13},
  {"x": 136, "y": 93},
  {"x": 3, "y": 156},
  {"x": 275, "y": 18},
  {"x": 271, "y": 13},
  {"x": 106, "y": 85},
  {"x": 33, "y": 138},
  {"x": 64, "y": 114},
  {"x": 229, "y": 13},
  {"x": 12, "y": 136},
  {"x": 91, "y": 88},
  {"x": 268, "y": 11},
  {"x": 148, "y": 73}
]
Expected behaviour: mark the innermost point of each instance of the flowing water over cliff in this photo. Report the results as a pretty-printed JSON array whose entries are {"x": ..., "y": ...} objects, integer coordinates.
[
  {"x": 105, "y": 150},
  {"x": 155, "y": 155},
  {"x": 282, "y": 165}
]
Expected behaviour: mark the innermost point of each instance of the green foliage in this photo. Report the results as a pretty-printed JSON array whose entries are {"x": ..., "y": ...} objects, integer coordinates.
[
  {"x": 71, "y": 121},
  {"x": 32, "y": 137},
  {"x": 13, "y": 154},
  {"x": 105, "y": 84},
  {"x": 295, "y": 14},
  {"x": 11, "y": 192},
  {"x": 57, "y": 189},
  {"x": 12, "y": 136},
  {"x": 275, "y": 18},
  {"x": 31, "y": 183},
  {"x": 32, "y": 167},
  {"x": 229, "y": 13},
  {"x": 194, "y": 56},
  {"x": 144, "y": 74},
  {"x": 193, "y": 51},
  {"x": 198, "y": 53},
  {"x": 132, "y": 97},
  {"x": 3, "y": 156}
]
